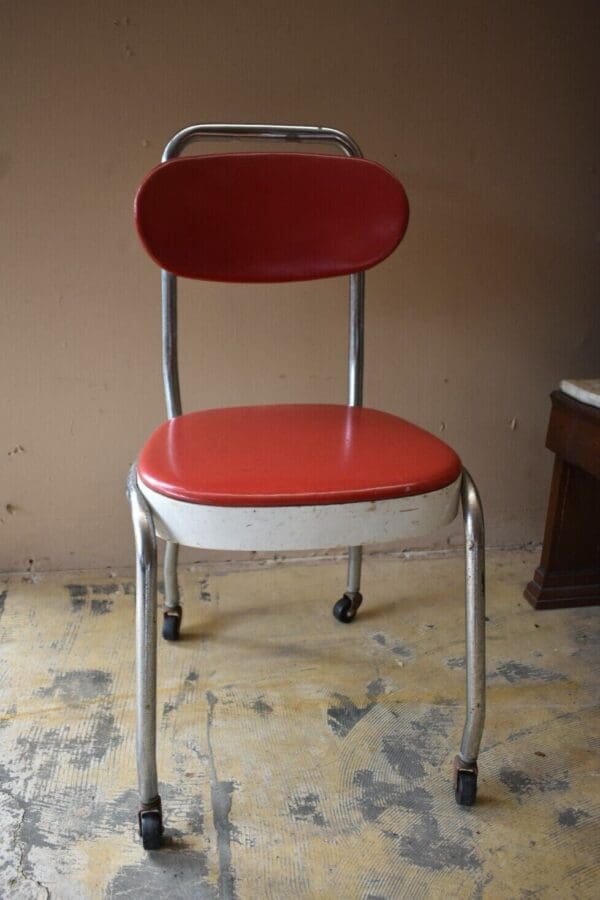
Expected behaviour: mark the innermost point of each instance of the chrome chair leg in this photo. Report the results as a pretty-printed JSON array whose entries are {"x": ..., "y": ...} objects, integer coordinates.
[
  {"x": 347, "y": 606},
  {"x": 173, "y": 611},
  {"x": 465, "y": 765},
  {"x": 150, "y": 813},
  {"x": 170, "y": 573}
]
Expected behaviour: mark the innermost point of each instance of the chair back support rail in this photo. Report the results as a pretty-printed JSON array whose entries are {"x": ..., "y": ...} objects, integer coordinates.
[{"x": 291, "y": 134}]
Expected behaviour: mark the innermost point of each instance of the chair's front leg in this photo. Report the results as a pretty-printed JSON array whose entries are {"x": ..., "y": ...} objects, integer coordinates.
[
  {"x": 150, "y": 813},
  {"x": 466, "y": 762},
  {"x": 173, "y": 611}
]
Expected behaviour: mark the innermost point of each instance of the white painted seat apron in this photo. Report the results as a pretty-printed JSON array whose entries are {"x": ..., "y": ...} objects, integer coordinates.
[{"x": 301, "y": 527}]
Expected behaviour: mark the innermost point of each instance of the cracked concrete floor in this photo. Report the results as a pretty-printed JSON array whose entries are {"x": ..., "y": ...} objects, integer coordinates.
[{"x": 299, "y": 757}]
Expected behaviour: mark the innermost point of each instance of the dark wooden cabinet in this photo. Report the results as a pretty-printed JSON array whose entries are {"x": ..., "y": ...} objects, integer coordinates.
[{"x": 569, "y": 572}]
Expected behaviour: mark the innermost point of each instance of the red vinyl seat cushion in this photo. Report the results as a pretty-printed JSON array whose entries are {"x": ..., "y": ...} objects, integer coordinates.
[{"x": 293, "y": 455}]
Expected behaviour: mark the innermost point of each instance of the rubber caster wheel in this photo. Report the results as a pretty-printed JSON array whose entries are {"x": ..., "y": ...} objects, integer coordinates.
[
  {"x": 151, "y": 829},
  {"x": 347, "y": 606},
  {"x": 172, "y": 623},
  {"x": 466, "y": 788}
]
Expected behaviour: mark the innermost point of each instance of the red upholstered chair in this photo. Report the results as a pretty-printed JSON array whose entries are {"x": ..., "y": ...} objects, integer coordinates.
[{"x": 283, "y": 477}]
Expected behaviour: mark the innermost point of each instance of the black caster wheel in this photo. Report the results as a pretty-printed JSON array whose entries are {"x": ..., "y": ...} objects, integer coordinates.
[
  {"x": 151, "y": 829},
  {"x": 172, "y": 623},
  {"x": 347, "y": 606},
  {"x": 466, "y": 788}
]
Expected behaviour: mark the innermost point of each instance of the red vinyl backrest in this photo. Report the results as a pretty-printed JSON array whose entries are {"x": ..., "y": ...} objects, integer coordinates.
[{"x": 269, "y": 217}]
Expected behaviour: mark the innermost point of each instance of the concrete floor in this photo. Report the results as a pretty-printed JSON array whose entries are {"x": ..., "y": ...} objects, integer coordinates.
[{"x": 299, "y": 758}]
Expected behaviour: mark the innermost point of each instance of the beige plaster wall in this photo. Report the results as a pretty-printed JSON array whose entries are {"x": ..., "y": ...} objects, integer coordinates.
[{"x": 488, "y": 112}]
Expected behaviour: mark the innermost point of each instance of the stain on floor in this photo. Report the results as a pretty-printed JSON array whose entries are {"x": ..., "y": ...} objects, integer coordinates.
[{"x": 298, "y": 757}]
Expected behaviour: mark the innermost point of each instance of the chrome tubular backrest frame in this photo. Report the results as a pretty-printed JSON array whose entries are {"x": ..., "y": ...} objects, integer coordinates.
[{"x": 291, "y": 133}]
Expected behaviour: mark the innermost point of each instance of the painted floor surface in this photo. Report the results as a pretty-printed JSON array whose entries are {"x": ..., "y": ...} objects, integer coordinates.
[{"x": 299, "y": 758}]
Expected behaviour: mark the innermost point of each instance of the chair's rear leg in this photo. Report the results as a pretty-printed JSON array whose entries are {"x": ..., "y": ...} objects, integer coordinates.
[
  {"x": 465, "y": 765},
  {"x": 346, "y": 608},
  {"x": 173, "y": 612},
  {"x": 150, "y": 813}
]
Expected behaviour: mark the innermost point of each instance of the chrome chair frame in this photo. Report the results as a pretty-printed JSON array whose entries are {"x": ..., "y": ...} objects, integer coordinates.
[{"x": 145, "y": 534}]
